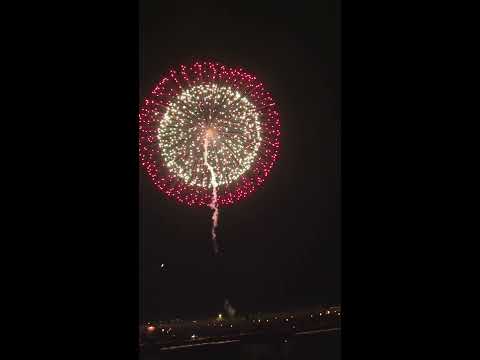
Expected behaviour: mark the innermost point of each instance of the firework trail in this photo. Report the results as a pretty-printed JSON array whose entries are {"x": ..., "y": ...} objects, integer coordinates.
[{"x": 213, "y": 180}]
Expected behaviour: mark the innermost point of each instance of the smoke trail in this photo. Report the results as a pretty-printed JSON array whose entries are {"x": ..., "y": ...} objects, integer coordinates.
[
  {"x": 213, "y": 181},
  {"x": 229, "y": 308}
]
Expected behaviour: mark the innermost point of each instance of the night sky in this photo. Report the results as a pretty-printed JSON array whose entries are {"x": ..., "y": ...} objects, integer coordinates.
[{"x": 282, "y": 244}]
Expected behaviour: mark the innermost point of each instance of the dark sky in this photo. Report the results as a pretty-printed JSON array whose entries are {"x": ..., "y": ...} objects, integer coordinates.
[{"x": 282, "y": 244}]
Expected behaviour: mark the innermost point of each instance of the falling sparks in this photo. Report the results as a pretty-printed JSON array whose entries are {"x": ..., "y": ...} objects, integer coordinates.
[{"x": 213, "y": 180}]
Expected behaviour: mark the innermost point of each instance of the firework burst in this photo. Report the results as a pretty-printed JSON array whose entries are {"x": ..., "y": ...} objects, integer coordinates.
[{"x": 209, "y": 128}]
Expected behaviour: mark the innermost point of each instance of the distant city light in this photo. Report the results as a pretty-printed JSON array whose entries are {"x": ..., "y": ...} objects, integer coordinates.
[
  {"x": 151, "y": 328},
  {"x": 160, "y": 328}
]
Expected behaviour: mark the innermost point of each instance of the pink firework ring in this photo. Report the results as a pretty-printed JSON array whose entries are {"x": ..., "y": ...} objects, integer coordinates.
[{"x": 229, "y": 106}]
